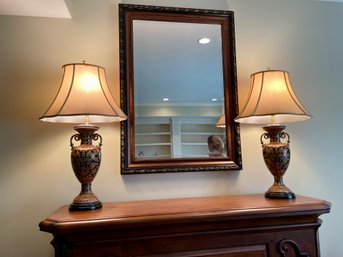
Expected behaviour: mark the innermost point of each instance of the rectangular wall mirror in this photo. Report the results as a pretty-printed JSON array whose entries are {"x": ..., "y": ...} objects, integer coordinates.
[{"x": 178, "y": 78}]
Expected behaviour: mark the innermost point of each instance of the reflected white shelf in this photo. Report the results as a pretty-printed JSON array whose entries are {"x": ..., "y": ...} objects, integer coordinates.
[
  {"x": 194, "y": 143},
  {"x": 152, "y": 133},
  {"x": 153, "y": 144}
]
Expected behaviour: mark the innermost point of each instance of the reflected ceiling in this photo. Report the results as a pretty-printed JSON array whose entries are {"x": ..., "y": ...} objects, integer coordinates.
[{"x": 172, "y": 59}]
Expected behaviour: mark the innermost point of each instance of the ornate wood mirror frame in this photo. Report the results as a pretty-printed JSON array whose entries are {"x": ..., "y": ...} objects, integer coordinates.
[{"x": 176, "y": 141}]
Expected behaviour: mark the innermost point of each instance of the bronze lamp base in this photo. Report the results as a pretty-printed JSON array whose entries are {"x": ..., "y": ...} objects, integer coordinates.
[
  {"x": 85, "y": 160},
  {"x": 276, "y": 156}
]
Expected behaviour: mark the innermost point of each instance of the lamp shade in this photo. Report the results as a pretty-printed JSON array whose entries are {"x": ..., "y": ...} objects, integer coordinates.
[
  {"x": 83, "y": 96},
  {"x": 272, "y": 100},
  {"x": 221, "y": 122}
]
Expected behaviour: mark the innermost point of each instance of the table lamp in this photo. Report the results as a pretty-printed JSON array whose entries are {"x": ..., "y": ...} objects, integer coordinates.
[
  {"x": 221, "y": 123},
  {"x": 273, "y": 102},
  {"x": 84, "y": 98}
]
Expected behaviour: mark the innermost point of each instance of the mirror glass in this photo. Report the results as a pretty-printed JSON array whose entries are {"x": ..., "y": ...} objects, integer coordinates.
[{"x": 177, "y": 80}]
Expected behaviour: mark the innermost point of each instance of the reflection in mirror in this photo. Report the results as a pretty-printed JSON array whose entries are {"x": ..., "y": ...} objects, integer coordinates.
[
  {"x": 178, "y": 88},
  {"x": 177, "y": 80}
]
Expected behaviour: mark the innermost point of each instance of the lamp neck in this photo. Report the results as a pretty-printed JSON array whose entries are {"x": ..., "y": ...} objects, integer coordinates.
[
  {"x": 86, "y": 132},
  {"x": 274, "y": 132}
]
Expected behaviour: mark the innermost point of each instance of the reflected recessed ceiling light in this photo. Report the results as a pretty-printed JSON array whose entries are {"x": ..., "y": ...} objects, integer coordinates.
[
  {"x": 204, "y": 40},
  {"x": 214, "y": 99},
  {"x": 165, "y": 99}
]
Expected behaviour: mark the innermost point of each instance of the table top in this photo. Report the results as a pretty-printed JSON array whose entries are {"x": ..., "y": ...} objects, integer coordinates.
[{"x": 166, "y": 210}]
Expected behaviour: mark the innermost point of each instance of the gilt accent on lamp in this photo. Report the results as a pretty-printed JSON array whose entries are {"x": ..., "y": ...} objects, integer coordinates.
[
  {"x": 273, "y": 102},
  {"x": 84, "y": 98}
]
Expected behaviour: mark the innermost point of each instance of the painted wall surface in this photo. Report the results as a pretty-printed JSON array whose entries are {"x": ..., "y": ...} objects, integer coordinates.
[
  {"x": 181, "y": 111},
  {"x": 301, "y": 36}
]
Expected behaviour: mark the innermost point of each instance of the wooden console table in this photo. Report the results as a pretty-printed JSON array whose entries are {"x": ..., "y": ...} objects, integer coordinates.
[{"x": 222, "y": 226}]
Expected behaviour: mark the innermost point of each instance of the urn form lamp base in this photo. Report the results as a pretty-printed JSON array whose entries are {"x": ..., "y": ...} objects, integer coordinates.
[
  {"x": 276, "y": 155},
  {"x": 85, "y": 159}
]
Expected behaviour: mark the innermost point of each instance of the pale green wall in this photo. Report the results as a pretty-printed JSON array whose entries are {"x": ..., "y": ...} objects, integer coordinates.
[{"x": 301, "y": 36}]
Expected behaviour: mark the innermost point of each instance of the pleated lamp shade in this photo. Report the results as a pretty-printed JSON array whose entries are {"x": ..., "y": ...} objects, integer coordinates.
[
  {"x": 83, "y": 96},
  {"x": 272, "y": 100}
]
